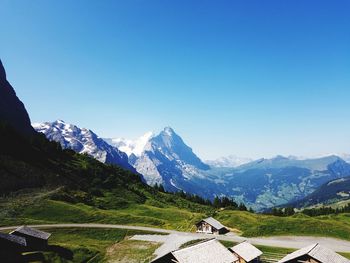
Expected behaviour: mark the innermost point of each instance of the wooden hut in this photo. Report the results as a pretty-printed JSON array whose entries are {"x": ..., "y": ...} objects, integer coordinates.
[
  {"x": 246, "y": 252},
  {"x": 11, "y": 247},
  {"x": 211, "y": 226},
  {"x": 314, "y": 254},
  {"x": 35, "y": 239},
  {"x": 209, "y": 251}
]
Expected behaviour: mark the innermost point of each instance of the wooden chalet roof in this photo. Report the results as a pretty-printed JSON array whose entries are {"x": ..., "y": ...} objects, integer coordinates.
[
  {"x": 13, "y": 239},
  {"x": 209, "y": 251},
  {"x": 318, "y": 252},
  {"x": 32, "y": 232},
  {"x": 246, "y": 251},
  {"x": 213, "y": 222}
]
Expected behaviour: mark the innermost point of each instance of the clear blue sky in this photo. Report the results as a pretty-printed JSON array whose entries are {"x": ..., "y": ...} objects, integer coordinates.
[{"x": 252, "y": 78}]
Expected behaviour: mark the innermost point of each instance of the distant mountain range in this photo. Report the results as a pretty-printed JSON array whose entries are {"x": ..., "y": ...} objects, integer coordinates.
[
  {"x": 165, "y": 159},
  {"x": 329, "y": 193},
  {"x": 229, "y": 161},
  {"x": 83, "y": 141},
  {"x": 345, "y": 157}
]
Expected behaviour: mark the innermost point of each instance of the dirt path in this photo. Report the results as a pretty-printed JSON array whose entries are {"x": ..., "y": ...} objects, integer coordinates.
[{"x": 276, "y": 241}]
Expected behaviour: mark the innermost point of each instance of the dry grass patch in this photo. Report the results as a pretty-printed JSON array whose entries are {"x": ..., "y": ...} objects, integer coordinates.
[{"x": 131, "y": 251}]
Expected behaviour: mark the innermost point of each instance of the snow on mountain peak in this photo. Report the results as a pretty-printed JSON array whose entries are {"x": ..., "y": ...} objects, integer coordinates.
[
  {"x": 229, "y": 161},
  {"x": 168, "y": 131},
  {"x": 60, "y": 121},
  {"x": 135, "y": 147}
]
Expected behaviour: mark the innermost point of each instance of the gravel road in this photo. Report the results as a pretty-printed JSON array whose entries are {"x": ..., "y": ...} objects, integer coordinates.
[{"x": 276, "y": 241}]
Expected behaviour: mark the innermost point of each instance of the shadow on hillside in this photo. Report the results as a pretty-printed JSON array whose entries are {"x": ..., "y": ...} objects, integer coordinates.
[
  {"x": 35, "y": 256},
  {"x": 61, "y": 251}
]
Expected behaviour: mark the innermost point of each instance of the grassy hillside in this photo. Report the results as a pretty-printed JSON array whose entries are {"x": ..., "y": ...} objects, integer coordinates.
[
  {"x": 335, "y": 205},
  {"x": 159, "y": 210},
  {"x": 94, "y": 245},
  {"x": 168, "y": 212},
  {"x": 337, "y": 226}
]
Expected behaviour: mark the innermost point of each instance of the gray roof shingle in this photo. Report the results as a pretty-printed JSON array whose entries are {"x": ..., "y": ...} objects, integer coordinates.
[
  {"x": 213, "y": 222},
  {"x": 246, "y": 251},
  {"x": 32, "y": 232},
  {"x": 210, "y": 251},
  {"x": 14, "y": 239},
  {"x": 318, "y": 252}
]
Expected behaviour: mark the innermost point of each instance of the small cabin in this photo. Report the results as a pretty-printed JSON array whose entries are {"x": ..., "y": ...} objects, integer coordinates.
[
  {"x": 246, "y": 252},
  {"x": 11, "y": 247},
  {"x": 35, "y": 238},
  {"x": 314, "y": 254},
  {"x": 211, "y": 226},
  {"x": 211, "y": 251}
]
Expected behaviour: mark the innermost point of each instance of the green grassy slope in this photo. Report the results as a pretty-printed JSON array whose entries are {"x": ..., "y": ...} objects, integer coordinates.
[
  {"x": 94, "y": 245},
  {"x": 179, "y": 214},
  {"x": 337, "y": 226},
  {"x": 160, "y": 210}
]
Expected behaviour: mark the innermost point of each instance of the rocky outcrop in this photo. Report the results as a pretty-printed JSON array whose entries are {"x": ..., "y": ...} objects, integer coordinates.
[{"x": 12, "y": 110}]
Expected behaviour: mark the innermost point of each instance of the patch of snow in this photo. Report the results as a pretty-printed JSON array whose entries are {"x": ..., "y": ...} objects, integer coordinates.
[
  {"x": 135, "y": 147},
  {"x": 229, "y": 161}
]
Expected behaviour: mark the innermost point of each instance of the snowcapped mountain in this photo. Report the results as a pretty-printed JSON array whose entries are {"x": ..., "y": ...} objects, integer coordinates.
[
  {"x": 345, "y": 157},
  {"x": 166, "y": 159},
  {"x": 130, "y": 147},
  {"x": 82, "y": 140},
  {"x": 229, "y": 161}
]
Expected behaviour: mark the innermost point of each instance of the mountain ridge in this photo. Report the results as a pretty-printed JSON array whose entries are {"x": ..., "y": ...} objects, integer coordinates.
[
  {"x": 229, "y": 161},
  {"x": 328, "y": 193},
  {"x": 83, "y": 140},
  {"x": 12, "y": 110}
]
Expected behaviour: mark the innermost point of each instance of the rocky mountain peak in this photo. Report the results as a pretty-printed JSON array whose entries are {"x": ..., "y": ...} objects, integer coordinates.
[
  {"x": 83, "y": 140},
  {"x": 12, "y": 110},
  {"x": 168, "y": 131},
  {"x": 2, "y": 71}
]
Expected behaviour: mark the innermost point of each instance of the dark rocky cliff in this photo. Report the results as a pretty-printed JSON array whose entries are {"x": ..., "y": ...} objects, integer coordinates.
[{"x": 12, "y": 110}]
